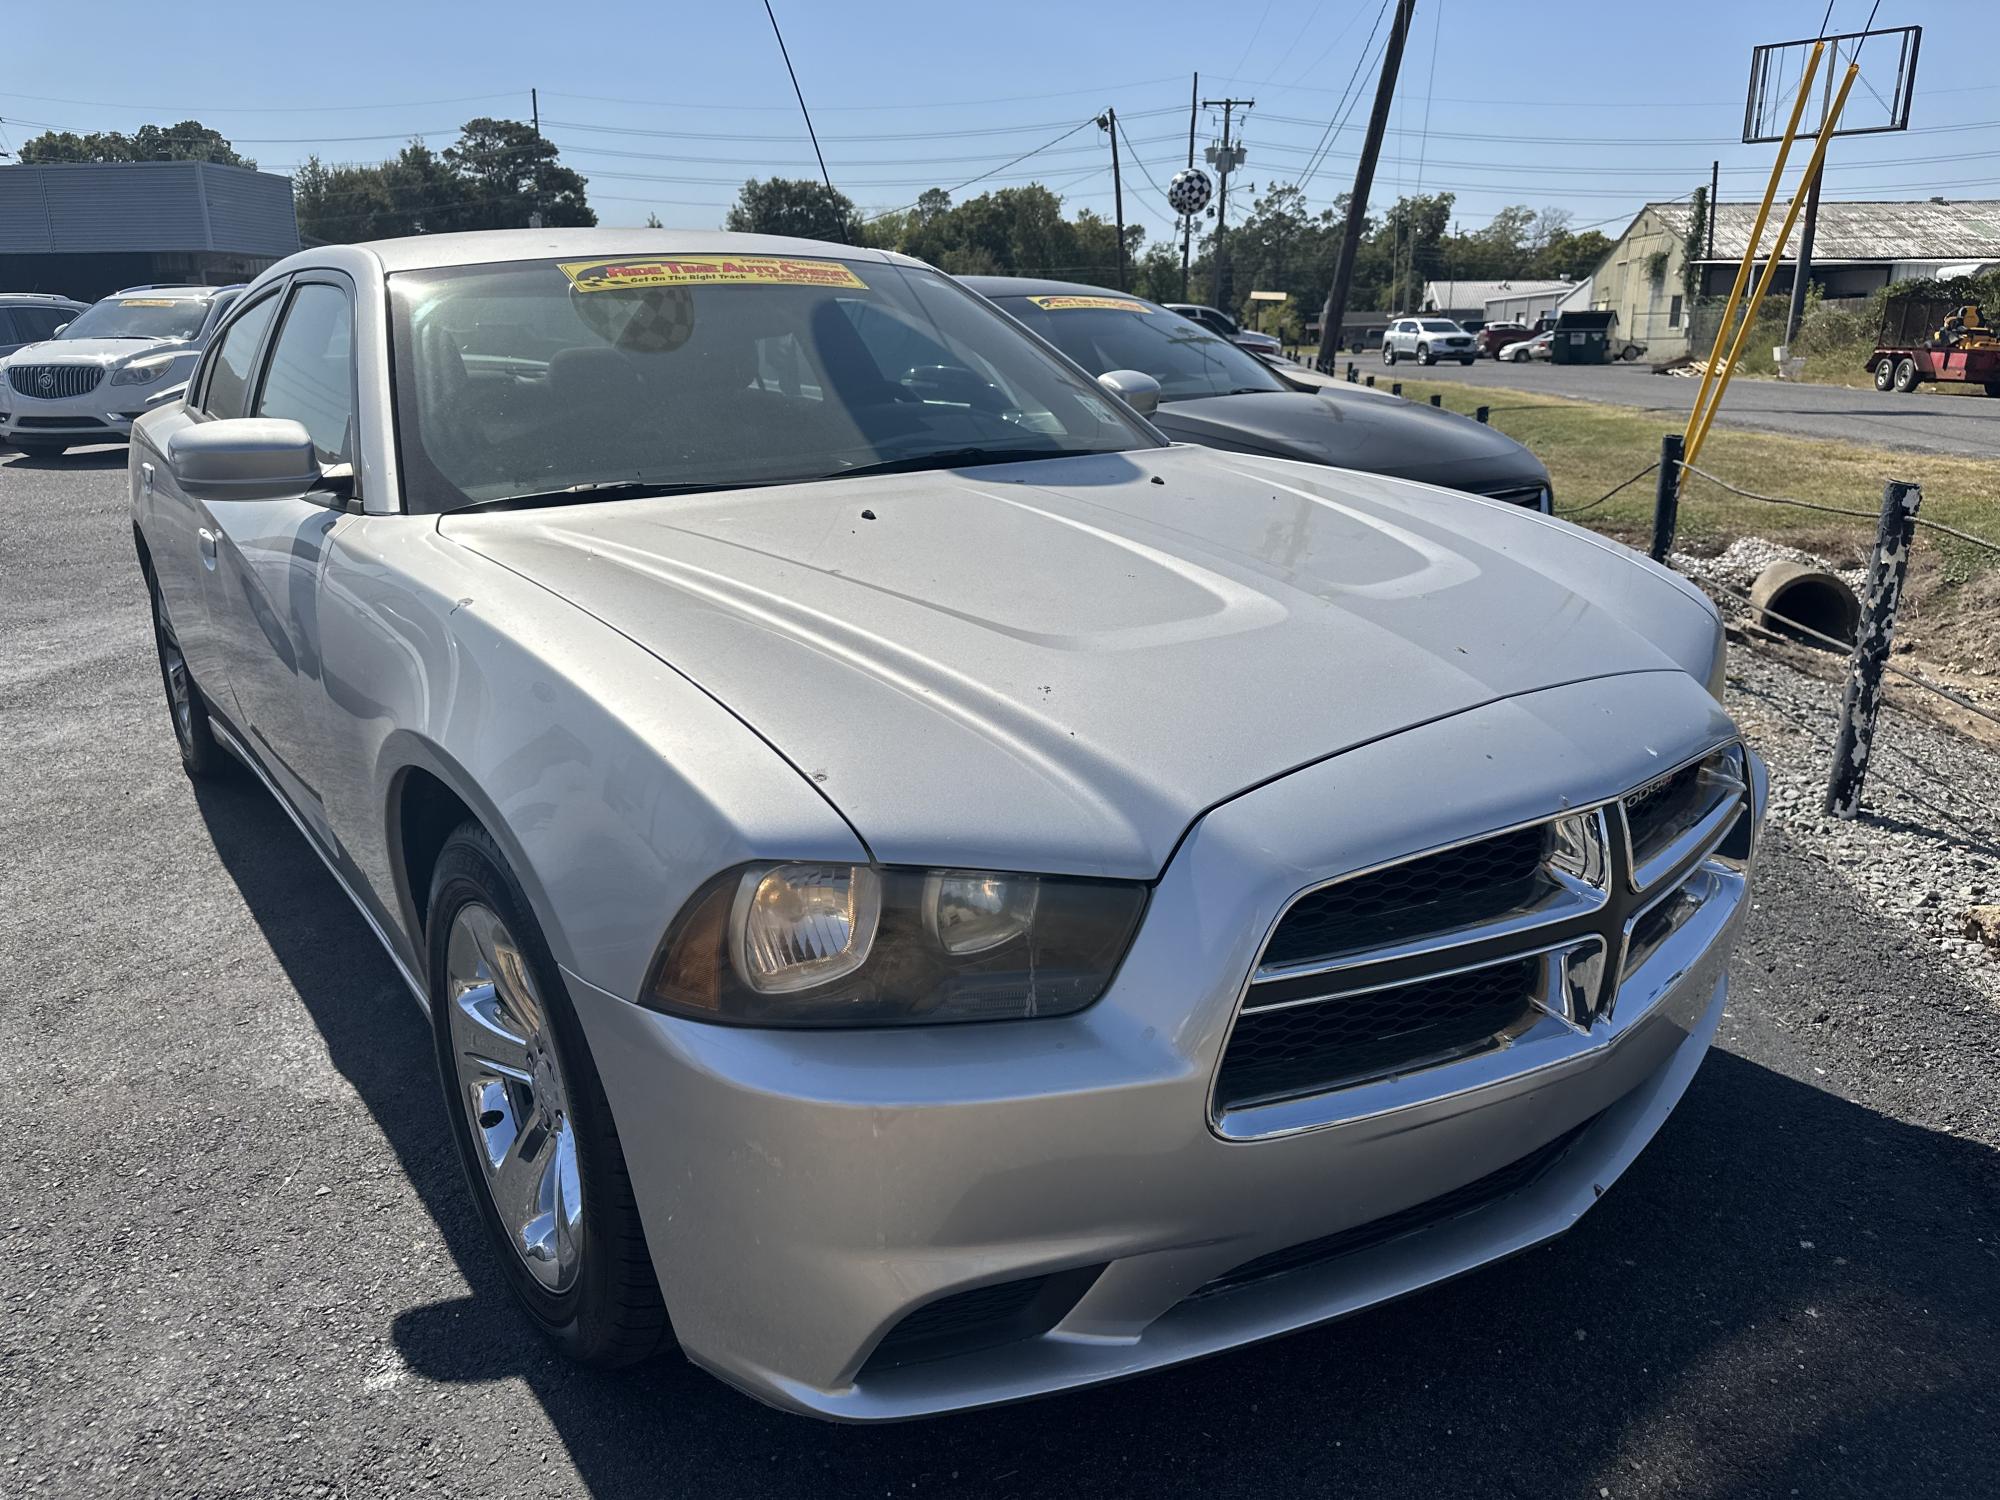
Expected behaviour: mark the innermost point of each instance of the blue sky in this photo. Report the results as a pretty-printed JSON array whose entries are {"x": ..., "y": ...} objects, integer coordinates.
[{"x": 1591, "y": 107}]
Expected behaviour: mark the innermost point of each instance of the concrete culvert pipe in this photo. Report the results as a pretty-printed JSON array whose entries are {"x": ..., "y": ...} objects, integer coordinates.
[{"x": 1788, "y": 595}]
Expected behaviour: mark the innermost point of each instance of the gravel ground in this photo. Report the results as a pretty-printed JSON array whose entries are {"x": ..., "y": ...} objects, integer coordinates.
[
  {"x": 1924, "y": 423},
  {"x": 241, "y": 1260}
]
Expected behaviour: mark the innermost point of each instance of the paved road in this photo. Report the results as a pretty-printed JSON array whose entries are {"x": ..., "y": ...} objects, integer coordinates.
[
  {"x": 239, "y": 1258},
  {"x": 1925, "y": 422}
]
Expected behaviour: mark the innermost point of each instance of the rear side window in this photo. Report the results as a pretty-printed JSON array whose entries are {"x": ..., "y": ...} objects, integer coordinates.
[
  {"x": 13, "y": 327},
  {"x": 309, "y": 376},
  {"x": 41, "y": 322},
  {"x": 235, "y": 353}
]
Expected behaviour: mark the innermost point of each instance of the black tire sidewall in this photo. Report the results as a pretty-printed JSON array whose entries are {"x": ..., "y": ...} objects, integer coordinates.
[
  {"x": 588, "y": 1321},
  {"x": 201, "y": 756},
  {"x": 1906, "y": 376},
  {"x": 1885, "y": 375}
]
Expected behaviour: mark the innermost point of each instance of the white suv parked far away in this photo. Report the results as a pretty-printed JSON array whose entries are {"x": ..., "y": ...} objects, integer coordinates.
[
  {"x": 117, "y": 361},
  {"x": 1428, "y": 340}
]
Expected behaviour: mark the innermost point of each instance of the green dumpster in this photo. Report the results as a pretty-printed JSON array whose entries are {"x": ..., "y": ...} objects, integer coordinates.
[{"x": 1582, "y": 338}]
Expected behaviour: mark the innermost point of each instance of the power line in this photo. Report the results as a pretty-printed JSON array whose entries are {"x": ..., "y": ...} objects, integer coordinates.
[
  {"x": 1088, "y": 120},
  {"x": 863, "y": 108}
]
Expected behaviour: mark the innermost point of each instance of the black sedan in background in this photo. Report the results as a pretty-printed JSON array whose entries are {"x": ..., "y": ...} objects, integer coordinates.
[{"x": 1215, "y": 394}]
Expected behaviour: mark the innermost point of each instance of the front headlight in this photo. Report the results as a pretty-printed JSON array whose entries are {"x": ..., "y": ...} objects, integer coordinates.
[
  {"x": 143, "y": 371},
  {"x": 866, "y": 945}
]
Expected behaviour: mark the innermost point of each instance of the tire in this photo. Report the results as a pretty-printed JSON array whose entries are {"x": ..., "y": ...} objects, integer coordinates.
[
  {"x": 1424, "y": 355},
  {"x": 1907, "y": 379},
  {"x": 571, "y": 1246},
  {"x": 201, "y": 757},
  {"x": 1885, "y": 374},
  {"x": 28, "y": 448},
  {"x": 1388, "y": 355},
  {"x": 1992, "y": 387},
  {"x": 1467, "y": 360}
]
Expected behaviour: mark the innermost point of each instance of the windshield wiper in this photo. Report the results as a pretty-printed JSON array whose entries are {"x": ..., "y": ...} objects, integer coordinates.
[
  {"x": 614, "y": 489},
  {"x": 950, "y": 458}
]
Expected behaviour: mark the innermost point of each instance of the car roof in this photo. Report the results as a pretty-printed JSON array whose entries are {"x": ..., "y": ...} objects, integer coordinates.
[
  {"x": 51, "y": 298},
  {"x": 481, "y": 247},
  {"x": 1037, "y": 286},
  {"x": 179, "y": 291}
]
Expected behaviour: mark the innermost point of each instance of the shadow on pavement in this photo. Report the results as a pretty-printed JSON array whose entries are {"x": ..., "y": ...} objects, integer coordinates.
[
  {"x": 76, "y": 458},
  {"x": 1787, "y": 1293}
]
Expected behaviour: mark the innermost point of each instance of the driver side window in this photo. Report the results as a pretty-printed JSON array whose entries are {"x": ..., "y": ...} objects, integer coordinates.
[{"x": 233, "y": 358}]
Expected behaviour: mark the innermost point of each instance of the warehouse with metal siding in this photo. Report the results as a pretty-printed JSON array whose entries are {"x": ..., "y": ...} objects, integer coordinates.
[{"x": 86, "y": 229}]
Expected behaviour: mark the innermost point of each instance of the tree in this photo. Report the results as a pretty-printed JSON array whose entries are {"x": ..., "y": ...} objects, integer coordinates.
[
  {"x": 510, "y": 172},
  {"x": 188, "y": 141},
  {"x": 795, "y": 206},
  {"x": 653, "y": 221}
]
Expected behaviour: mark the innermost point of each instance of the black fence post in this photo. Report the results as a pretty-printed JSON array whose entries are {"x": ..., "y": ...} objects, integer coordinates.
[
  {"x": 1350, "y": 372},
  {"x": 1863, "y": 697},
  {"x": 1371, "y": 382},
  {"x": 1396, "y": 388},
  {"x": 1437, "y": 399},
  {"x": 1480, "y": 414},
  {"x": 1666, "y": 497}
]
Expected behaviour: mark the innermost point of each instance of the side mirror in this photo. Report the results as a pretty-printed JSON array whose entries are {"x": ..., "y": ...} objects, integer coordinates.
[
  {"x": 59, "y": 328},
  {"x": 243, "y": 458},
  {"x": 1135, "y": 388}
]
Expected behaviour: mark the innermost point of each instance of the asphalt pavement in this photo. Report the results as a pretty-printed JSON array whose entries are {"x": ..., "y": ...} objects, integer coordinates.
[
  {"x": 1924, "y": 422},
  {"x": 240, "y": 1258}
]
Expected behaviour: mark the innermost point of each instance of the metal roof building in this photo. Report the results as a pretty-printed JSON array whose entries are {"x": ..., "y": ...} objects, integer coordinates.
[
  {"x": 1469, "y": 299},
  {"x": 86, "y": 229}
]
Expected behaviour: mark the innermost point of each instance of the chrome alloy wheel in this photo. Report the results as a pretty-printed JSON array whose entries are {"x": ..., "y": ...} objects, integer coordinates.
[
  {"x": 180, "y": 687},
  {"x": 510, "y": 1084}
]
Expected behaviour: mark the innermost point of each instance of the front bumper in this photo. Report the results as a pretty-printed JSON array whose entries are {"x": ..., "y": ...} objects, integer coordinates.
[
  {"x": 804, "y": 1192},
  {"x": 104, "y": 415}
]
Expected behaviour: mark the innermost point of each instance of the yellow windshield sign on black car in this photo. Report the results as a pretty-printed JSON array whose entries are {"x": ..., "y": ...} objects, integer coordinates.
[
  {"x": 1074, "y": 303},
  {"x": 708, "y": 270}
]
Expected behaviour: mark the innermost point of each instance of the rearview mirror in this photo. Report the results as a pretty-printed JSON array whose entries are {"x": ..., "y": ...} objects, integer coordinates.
[
  {"x": 243, "y": 458},
  {"x": 1135, "y": 388}
]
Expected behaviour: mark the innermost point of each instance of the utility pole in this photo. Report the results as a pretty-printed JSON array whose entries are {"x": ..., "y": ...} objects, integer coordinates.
[
  {"x": 1802, "y": 272},
  {"x": 1226, "y": 158},
  {"x": 1364, "y": 179},
  {"x": 1109, "y": 121},
  {"x": 1187, "y": 222},
  {"x": 535, "y": 114},
  {"x": 1714, "y": 188}
]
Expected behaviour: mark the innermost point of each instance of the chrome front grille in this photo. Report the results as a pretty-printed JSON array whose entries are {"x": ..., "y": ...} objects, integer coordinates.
[
  {"x": 1462, "y": 951},
  {"x": 54, "y": 382}
]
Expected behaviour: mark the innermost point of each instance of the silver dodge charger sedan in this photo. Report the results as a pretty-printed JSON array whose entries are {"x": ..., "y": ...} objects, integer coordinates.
[{"x": 925, "y": 892}]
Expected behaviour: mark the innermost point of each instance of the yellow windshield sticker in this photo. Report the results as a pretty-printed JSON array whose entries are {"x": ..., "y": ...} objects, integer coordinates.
[
  {"x": 146, "y": 302},
  {"x": 1074, "y": 303},
  {"x": 708, "y": 270}
]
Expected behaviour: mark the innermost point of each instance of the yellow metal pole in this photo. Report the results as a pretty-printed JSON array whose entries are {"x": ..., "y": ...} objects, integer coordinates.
[
  {"x": 1756, "y": 235},
  {"x": 1771, "y": 265}
]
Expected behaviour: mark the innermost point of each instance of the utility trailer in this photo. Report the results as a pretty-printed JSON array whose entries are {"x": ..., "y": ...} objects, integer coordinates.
[{"x": 1934, "y": 338}]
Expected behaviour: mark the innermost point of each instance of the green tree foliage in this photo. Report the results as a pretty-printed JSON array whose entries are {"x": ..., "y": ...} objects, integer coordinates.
[
  {"x": 188, "y": 141},
  {"x": 497, "y": 175},
  {"x": 795, "y": 206}
]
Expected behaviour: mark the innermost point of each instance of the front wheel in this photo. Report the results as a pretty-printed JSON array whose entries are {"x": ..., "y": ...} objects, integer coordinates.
[
  {"x": 1388, "y": 355},
  {"x": 528, "y": 1113},
  {"x": 1467, "y": 360},
  {"x": 1992, "y": 387},
  {"x": 1885, "y": 374},
  {"x": 1424, "y": 355},
  {"x": 1907, "y": 378}
]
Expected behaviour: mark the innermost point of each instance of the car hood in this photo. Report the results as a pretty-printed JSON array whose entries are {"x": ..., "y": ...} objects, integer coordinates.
[
  {"x": 1362, "y": 429},
  {"x": 1060, "y": 665},
  {"x": 93, "y": 351}
]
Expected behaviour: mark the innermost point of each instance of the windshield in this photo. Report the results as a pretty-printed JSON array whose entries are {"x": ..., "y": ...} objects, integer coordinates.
[
  {"x": 140, "y": 318},
  {"x": 1438, "y": 325},
  {"x": 709, "y": 371},
  {"x": 1122, "y": 333}
]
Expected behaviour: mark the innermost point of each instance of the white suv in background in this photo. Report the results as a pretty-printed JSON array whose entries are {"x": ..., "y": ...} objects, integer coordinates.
[
  {"x": 115, "y": 362},
  {"x": 1428, "y": 340}
]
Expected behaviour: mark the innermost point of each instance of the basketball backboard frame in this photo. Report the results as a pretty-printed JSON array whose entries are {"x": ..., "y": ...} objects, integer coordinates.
[{"x": 1776, "y": 67}]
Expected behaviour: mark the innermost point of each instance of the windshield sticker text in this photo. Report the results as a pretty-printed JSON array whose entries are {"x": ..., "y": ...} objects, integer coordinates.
[
  {"x": 1072, "y": 303},
  {"x": 709, "y": 270},
  {"x": 146, "y": 302}
]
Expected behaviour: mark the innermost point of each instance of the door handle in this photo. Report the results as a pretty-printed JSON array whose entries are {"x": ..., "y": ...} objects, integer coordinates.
[
  {"x": 207, "y": 547},
  {"x": 146, "y": 475}
]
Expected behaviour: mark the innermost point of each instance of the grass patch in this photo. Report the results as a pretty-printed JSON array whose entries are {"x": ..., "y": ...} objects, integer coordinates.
[{"x": 1589, "y": 448}]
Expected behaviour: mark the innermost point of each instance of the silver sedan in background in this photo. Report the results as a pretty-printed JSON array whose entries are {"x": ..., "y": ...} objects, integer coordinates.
[{"x": 927, "y": 894}]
